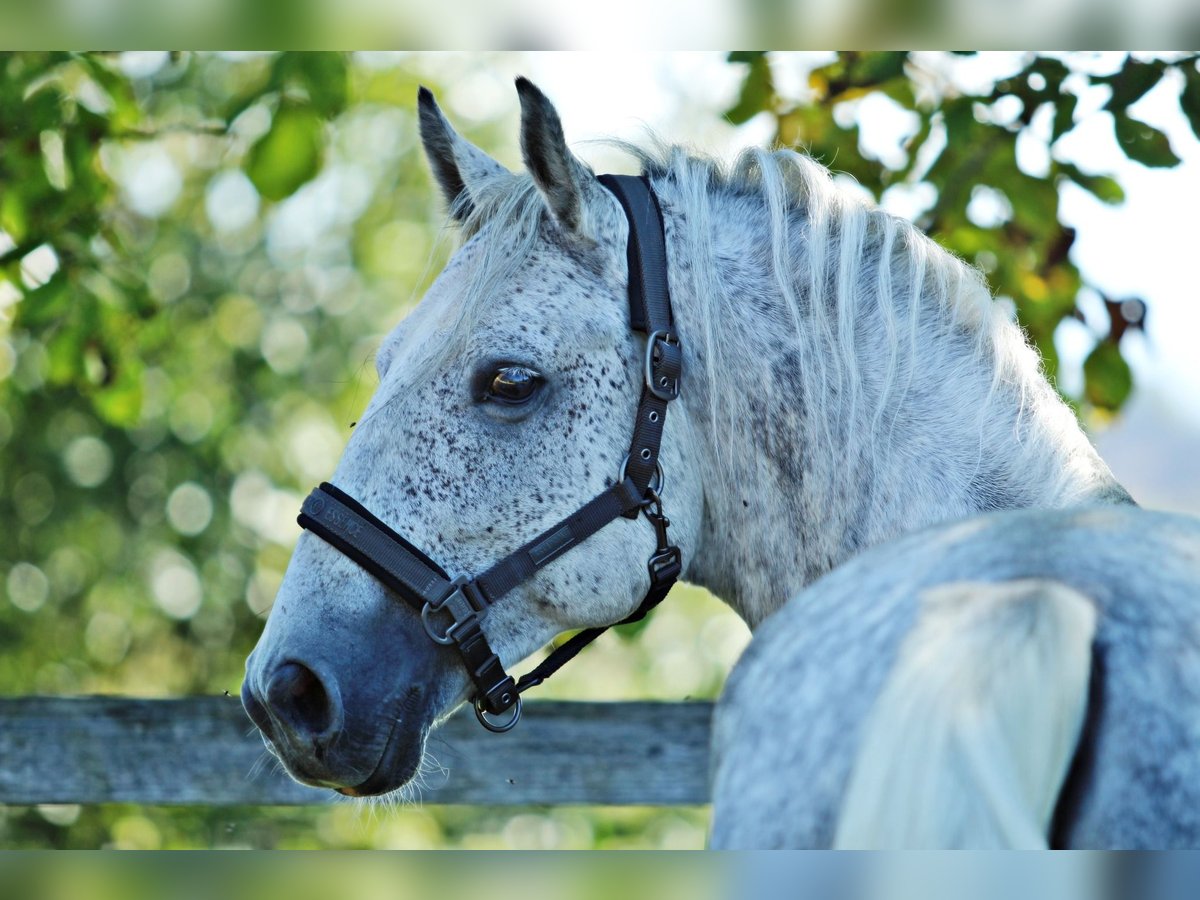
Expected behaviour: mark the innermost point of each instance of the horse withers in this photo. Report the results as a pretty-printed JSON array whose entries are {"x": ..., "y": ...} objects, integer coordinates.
[{"x": 847, "y": 382}]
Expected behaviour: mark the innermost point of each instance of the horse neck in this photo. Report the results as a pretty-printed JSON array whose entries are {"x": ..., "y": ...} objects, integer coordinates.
[{"x": 825, "y": 430}]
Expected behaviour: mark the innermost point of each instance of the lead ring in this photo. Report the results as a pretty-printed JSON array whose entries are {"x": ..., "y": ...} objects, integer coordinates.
[
  {"x": 658, "y": 472},
  {"x": 481, "y": 715}
]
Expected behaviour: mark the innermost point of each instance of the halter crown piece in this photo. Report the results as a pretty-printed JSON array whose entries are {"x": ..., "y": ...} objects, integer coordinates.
[{"x": 453, "y": 609}]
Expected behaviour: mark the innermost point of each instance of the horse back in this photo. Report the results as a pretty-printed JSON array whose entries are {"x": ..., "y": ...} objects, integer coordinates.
[{"x": 816, "y": 668}]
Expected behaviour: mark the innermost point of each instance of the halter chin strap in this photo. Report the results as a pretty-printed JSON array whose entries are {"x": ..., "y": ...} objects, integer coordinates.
[{"x": 452, "y": 609}]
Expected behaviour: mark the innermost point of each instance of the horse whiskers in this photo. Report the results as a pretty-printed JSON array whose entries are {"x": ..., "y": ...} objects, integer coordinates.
[
  {"x": 408, "y": 795},
  {"x": 430, "y": 763},
  {"x": 264, "y": 759}
]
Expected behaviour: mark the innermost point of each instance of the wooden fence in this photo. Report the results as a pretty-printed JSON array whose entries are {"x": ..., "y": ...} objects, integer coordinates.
[{"x": 204, "y": 750}]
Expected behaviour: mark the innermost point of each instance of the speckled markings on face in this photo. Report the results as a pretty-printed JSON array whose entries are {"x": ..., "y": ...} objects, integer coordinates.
[{"x": 468, "y": 479}]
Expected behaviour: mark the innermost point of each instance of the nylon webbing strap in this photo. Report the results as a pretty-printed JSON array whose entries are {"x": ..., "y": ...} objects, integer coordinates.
[
  {"x": 344, "y": 523},
  {"x": 650, "y": 313},
  {"x": 649, "y": 295},
  {"x": 558, "y": 539},
  {"x": 347, "y": 525},
  {"x": 569, "y": 649}
]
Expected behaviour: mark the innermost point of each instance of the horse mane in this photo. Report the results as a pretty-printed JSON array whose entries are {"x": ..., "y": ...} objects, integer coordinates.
[
  {"x": 855, "y": 283},
  {"x": 850, "y": 278}
]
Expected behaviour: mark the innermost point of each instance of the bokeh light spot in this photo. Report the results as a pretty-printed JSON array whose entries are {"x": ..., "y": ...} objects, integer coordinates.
[
  {"x": 284, "y": 345},
  {"x": 230, "y": 201},
  {"x": 8, "y": 359},
  {"x": 191, "y": 417},
  {"x": 33, "y": 497},
  {"x": 107, "y": 638},
  {"x": 135, "y": 832},
  {"x": 149, "y": 178},
  {"x": 88, "y": 461},
  {"x": 61, "y": 814},
  {"x": 238, "y": 320},
  {"x": 169, "y": 277},
  {"x": 27, "y": 586},
  {"x": 189, "y": 508},
  {"x": 175, "y": 584}
]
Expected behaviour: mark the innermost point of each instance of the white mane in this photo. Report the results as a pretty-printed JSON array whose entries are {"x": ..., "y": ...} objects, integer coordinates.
[
  {"x": 890, "y": 297},
  {"x": 898, "y": 314}
]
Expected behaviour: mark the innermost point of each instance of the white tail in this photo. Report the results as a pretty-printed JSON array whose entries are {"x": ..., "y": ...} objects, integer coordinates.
[{"x": 973, "y": 733}]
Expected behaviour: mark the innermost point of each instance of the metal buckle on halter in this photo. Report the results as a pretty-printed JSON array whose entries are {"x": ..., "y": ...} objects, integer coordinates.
[
  {"x": 465, "y": 604},
  {"x": 662, "y": 386},
  {"x": 666, "y": 564}
]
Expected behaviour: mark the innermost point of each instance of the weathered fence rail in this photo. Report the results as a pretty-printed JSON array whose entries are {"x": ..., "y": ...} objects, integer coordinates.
[{"x": 203, "y": 750}]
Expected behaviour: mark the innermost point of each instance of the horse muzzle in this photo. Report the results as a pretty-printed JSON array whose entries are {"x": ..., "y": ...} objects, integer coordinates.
[{"x": 321, "y": 741}]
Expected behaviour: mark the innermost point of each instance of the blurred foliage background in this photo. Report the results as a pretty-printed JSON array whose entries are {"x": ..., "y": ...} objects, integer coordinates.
[{"x": 198, "y": 256}]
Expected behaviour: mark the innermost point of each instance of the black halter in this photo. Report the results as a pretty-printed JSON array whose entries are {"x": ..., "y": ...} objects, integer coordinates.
[{"x": 453, "y": 609}]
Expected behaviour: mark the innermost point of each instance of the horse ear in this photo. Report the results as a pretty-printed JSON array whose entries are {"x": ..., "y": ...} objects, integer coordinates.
[
  {"x": 563, "y": 180},
  {"x": 456, "y": 162}
]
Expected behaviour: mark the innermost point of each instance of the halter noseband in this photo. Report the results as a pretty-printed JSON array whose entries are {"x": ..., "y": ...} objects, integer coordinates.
[{"x": 452, "y": 609}]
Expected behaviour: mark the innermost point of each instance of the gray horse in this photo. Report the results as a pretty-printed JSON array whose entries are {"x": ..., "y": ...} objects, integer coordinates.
[{"x": 847, "y": 383}]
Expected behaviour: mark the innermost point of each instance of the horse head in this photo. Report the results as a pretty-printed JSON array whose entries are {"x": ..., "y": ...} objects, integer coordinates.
[{"x": 505, "y": 402}]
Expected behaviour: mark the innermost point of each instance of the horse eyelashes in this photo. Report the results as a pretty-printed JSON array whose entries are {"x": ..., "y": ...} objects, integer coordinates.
[{"x": 514, "y": 385}]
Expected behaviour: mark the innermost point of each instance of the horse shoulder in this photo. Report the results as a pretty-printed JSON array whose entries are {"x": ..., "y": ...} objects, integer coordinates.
[{"x": 964, "y": 655}]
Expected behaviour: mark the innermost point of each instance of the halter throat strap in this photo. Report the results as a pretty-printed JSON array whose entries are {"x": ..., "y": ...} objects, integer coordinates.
[{"x": 453, "y": 609}]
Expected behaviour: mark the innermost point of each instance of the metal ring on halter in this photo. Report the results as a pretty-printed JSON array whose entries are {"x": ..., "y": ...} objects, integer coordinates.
[
  {"x": 444, "y": 639},
  {"x": 500, "y": 728},
  {"x": 658, "y": 472}
]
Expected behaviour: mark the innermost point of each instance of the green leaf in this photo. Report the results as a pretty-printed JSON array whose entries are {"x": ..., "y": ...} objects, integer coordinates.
[
  {"x": 876, "y": 67},
  {"x": 1064, "y": 116},
  {"x": 328, "y": 84},
  {"x": 900, "y": 90},
  {"x": 125, "y": 112},
  {"x": 1102, "y": 187},
  {"x": 46, "y": 304},
  {"x": 323, "y": 77},
  {"x": 120, "y": 402},
  {"x": 14, "y": 214},
  {"x": 254, "y": 89},
  {"x": 756, "y": 94},
  {"x": 1053, "y": 70},
  {"x": 1144, "y": 143},
  {"x": 43, "y": 108},
  {"x": 289, "y": 154},
  {"x": 1131, "y": 83},
  {"x": 64, "y": 355},
  {"x": 1034, "y": 201},
  {"x": 1189, "y": 100},
  {"x": 1107, "y": 378},
  {"x": 745, "y": 56}
]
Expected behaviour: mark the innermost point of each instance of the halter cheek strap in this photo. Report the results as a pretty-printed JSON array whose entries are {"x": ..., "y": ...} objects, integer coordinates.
[{"x": 453, "y": 609}]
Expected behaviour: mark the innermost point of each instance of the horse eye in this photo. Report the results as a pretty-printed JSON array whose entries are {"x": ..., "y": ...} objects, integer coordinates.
[{"x": 514, "y": 384}]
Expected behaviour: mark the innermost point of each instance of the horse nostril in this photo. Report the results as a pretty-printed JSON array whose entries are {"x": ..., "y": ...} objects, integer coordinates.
[
  {"x": 299, "y": 700},
  {"x": 254, "y": 709}
]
